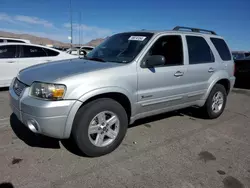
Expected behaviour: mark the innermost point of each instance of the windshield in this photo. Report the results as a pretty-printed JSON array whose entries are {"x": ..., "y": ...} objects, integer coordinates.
[{"x": 120, "y": 48}]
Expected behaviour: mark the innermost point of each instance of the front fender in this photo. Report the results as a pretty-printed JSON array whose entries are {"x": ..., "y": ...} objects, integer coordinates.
[
  {"x": 104, "y": 90},
  {"x": 90, "y": 94}
]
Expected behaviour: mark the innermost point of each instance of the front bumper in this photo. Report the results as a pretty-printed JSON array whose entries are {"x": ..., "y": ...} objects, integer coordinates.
[{"x": 49, "y": 117}]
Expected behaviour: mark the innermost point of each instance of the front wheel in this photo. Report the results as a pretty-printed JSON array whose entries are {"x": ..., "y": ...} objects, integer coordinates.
[
  {"x": 100, "y": 127},
  {"x": 216, "y": 102}
]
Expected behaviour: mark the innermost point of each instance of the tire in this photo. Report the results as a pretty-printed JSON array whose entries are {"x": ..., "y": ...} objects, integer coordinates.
[
  {"x": 209, "y": 111},
  {"x": 87, "y": 142}
]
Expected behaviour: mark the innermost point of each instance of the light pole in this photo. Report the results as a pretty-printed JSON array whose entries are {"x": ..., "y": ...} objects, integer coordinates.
[{"x": 71, "y": 27}]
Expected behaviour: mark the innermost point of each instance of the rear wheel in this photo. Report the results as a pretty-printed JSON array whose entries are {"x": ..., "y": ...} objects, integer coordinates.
[
  {"x": 100, "y": 127},
  {"x": 216, "y": 102}
]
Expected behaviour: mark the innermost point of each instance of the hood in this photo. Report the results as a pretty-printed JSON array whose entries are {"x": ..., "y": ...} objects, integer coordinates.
[{"x": 52, "y": 71}]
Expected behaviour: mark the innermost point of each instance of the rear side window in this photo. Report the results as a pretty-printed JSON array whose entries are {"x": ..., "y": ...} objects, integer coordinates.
[
  {"x": 18, "y": 41},
  {"x": 198, "y": 50},
  {"x": 33, "y": 51},
  {"x": 8, "y": 51},
  {"x": 51, "y": 52},
  {"x": 1, "y": 40},
  {"x": 222, "y": 49}
]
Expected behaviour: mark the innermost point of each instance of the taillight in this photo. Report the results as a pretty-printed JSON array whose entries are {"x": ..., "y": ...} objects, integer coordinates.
[{"x": 234, "y": 68}]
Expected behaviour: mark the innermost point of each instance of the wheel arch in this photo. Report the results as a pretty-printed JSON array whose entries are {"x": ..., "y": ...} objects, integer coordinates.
[
  {"x": 220, "y": 80},
  {"x": 118, "y": 94}
]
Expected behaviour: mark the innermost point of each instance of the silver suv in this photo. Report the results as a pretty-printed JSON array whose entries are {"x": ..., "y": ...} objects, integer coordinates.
[{"x": 129, "y": 76}]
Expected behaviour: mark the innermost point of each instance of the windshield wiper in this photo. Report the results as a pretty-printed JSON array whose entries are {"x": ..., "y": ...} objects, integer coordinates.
[{"x": 95, "y": 59}]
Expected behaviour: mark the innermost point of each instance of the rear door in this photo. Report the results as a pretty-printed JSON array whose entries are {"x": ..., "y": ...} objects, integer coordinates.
[
  {"x": 202, "y": 66},
  {"x": 31, "y": 55},
  {"x": 8, "y": 64}
]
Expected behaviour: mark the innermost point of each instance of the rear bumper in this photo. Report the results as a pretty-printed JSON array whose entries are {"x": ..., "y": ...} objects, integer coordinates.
[
  {"x": 44, "y": 117},
  {"x": 232, "y": 82}
]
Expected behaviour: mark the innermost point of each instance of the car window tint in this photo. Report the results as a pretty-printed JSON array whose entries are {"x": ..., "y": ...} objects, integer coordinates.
[
  {"x": 8, "y": 51},
  {"x": 13, "y": 41},
  {"x": 51, "y": 52},
  {"x": 170, "y": 47},
  {"x": 87, "y": 48},
  {"x": 222, "y": 49},
  {"x": 198, "y": 50},
  {"x": 33, "y": 51}
]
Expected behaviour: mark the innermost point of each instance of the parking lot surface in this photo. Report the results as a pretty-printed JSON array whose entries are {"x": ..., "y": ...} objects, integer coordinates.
[{"x": 175, "y": 150}]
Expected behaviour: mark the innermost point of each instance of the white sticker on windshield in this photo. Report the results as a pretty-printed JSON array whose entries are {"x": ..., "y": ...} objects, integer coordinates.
[{"x": 138, "y": 38}]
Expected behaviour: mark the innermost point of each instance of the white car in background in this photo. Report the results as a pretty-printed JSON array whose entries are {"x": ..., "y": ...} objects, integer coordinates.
[
  {"x": 17, "y": 56},
  {"x": 13, "y": 40}
]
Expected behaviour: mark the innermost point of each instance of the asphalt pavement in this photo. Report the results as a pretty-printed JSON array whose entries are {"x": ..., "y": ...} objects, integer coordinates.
[{"x": 172, "y": 150}]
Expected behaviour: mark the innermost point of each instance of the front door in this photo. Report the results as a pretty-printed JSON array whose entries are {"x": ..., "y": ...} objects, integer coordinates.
[
  {"x": 162, "y": 87},
  {"x": 8, "y": 64}
]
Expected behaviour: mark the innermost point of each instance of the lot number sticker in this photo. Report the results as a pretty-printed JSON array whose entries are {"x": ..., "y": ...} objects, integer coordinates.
[{"x": 138, "y": 38}]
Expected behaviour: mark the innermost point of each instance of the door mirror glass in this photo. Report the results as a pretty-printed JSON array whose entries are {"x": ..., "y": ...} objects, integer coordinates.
[{"x": 154, "y": 61}]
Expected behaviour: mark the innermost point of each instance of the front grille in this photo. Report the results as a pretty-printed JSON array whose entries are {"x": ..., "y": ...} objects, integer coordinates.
[{"x": 18, "y": 87}]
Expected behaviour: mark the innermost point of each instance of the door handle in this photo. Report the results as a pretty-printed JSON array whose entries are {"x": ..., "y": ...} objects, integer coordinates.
[
  {"x": 10, "y": 61},
  {"x": 210, "y": 70},
  {"x": 178, "y": 74}
]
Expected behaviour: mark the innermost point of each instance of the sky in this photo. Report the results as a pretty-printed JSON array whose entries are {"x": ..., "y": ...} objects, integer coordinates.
[{"x": 101, "y": 18}]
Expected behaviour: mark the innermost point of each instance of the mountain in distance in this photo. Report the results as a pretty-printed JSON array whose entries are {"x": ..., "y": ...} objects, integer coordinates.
[
  {"x": 46, "y": 41},
  {"x": 95, "y": 42}
]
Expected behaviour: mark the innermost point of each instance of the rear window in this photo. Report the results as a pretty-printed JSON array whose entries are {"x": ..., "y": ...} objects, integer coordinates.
[{"x": 222, "y": 49}]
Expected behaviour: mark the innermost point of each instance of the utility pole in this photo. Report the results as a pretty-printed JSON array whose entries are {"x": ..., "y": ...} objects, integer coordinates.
[
  {"x": 71, "y": 27},
  {"x": 80, "y": 29}
]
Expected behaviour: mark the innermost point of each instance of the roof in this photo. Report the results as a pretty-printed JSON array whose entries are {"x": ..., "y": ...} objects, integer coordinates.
[
  {"x": 171, "y": 31},
  {"x": 13, "y": 38},
  {"x": 182, "y": 30},
  {"x": 29, "y": 44}
]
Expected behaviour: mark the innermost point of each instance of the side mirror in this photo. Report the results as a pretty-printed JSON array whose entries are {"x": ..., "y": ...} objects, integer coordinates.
[{"x": 154, "y": 61}]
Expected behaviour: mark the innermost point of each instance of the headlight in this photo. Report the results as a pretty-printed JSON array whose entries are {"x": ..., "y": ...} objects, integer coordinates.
[{"x": 48, "y": 91}]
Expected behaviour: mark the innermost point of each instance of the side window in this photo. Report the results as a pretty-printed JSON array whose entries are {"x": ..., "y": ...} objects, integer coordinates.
[
  {"x": 198, "y": 50},
  {"x": 51, "y": 52},
  {"x": 222, "y": 49},
  {"x": 1, "y": 40},
  {"x": 11, "y": 41},
  {"x": 170, "y": 47},
  {"x": 8, "y": 51},
  {"x": 33, "y": 51}
]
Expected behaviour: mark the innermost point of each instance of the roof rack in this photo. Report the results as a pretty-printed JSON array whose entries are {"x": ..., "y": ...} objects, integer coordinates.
[{"x": 178, "y": 28}]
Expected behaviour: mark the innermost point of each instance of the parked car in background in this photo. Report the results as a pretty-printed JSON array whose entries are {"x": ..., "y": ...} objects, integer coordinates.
[
  {"x": 17, "y": 56},
  {"x": 83, "y": 50},
  {"x": 13, "y": 40},
  {"x": 73, "y": 51},
  {"x": 237, "y": 55},
  {"x": 87, "y": 49},
  {"x": 129, "y": 76},
  {"x": 242, "y": 70}
]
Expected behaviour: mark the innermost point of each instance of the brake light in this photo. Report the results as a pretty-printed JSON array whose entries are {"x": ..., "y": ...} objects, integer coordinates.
[{"x": 234, "y": 68}]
